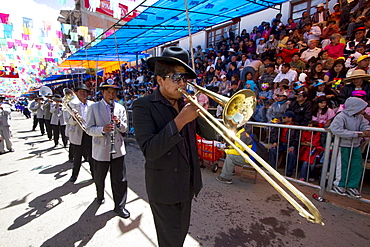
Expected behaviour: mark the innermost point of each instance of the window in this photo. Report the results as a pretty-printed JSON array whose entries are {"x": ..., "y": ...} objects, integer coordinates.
[
  {"x": 215, "y": 35},
  {"x": 298, "y": 7}
]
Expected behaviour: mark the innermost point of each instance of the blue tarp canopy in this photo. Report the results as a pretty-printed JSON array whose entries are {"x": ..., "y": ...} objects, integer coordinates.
[
  {"x": 165, "y": 21},
  {"x": 70, "y": 76}
]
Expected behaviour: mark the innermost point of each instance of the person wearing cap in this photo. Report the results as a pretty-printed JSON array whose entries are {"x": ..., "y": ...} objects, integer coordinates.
[
  {"x": 335, "y": 15},
  {"x": 359, "y": 37},
  {"x": 5, "y": 112},
  {"x": 321, "y": 15},
  {"x": 224, "y": 86},
  {"x": 165, "y": 128},
  {"x": 280, "y": 143},
  {"x": 57, "y": 121},
  {"x": 359, "y": 80},
  {"x": 301, "y": 107},
  {"x": 286, "y": 73},
  {"x": 38, "y": 108},
  {"x": 351, "y": 126},
  {"x": 319, "y": 88},
  {"x": 106, "y": 122},
  {"x": 362, "y": 64},
  {"x": 312, "y": 51},
  {"x": 276, "y": 110},
  {"x": 47, "y": 115},
  {"x": 351, "y": 61},
  {"x": 78, "y": 138}
]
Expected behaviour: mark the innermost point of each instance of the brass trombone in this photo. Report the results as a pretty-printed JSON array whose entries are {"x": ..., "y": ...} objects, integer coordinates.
[
  {"x": 237, "y": 111},
  {"x": 70, "y": 96}
]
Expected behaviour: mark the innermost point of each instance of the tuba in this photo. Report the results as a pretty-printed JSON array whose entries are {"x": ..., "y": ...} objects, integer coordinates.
[
  {"x": 70, "y": 96},
  {"x": 237, "y": 111}
]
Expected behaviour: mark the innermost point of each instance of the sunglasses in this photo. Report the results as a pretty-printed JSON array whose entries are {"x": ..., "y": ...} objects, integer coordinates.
[
  {"x": 177, "y": 77},
  {"x": 280, "y": 95}
]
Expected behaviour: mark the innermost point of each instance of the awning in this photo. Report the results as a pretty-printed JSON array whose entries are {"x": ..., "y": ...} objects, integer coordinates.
[{"x": 166, "y": 21}]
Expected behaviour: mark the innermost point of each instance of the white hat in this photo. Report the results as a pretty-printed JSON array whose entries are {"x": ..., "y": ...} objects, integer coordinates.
[
  {"x": 231, "y": 50},
  {"x": 223, "y": 76},
  {"x": 320, "y": 5}
]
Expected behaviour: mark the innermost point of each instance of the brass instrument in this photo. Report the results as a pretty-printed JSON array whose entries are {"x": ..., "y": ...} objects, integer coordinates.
[
  {"x": 234, "y": 115},
  {"x": 70, "y": 96},
  {"x": 112, "y": 137}
]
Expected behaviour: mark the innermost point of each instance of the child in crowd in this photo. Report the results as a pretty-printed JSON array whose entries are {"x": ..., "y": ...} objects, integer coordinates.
[
  {"x": 310, "y": 149},
  {"x": 276, "y": 110},
  {"x": 350, "y": 125},
  {"x": 283, "y": 88},
  {"x": 249, "y": 83},
  {"x": 264, "y": 95},
  {"x": 321, "y": 113}
]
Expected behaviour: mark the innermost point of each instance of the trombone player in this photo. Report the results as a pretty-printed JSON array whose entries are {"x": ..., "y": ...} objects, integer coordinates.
[
  {"x": 80, "y": 141},
  {"x": 165, "y": 127},
  {"x": 106, "y": 123}
]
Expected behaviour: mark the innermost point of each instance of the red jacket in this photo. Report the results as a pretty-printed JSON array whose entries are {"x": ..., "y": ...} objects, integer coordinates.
[
  {"x": 307, "y": 153},
  {"x": 287, "y": 55}
]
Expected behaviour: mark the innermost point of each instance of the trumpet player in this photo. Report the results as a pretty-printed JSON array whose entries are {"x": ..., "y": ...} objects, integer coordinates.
[
  {"x": 80, "y": 141},
  {"x": 38, "y": 107},
  {"x": 165, "y": 127},
  {"x": 57, "y": 121},
  {"x": 47, "y": 115},
  {"x": 106, "y": 123},
  {"x": 5, "y": 112}
]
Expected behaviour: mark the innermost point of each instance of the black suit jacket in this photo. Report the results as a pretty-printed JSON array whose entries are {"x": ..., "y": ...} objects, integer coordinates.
[{"x": 171, "y": 169}]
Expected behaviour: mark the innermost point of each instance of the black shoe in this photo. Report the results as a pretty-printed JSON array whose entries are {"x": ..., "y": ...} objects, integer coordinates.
[
  {"x": 11, "y": 150},
  {"x": 123, "y": 213},
  {"x": 100, "y": 201},
  {"x": 73, "y": 179}
]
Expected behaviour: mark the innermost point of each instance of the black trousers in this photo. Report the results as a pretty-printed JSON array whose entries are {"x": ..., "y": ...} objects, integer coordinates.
[
  {"x": 62, "y": 130},
  {"x": 49, "y": 130},
  {"x": 172, "y": 221},
  {"x": 118, "y": 179},
  {"x": 35, "y": 121},
  {"x": 85, "y": 149},
  {"x": 41, "y": 122}
]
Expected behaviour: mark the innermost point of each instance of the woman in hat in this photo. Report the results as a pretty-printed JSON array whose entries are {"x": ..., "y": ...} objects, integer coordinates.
[
  {"x": 165, "y": 128},
  {"x": 359, "y": 80}
]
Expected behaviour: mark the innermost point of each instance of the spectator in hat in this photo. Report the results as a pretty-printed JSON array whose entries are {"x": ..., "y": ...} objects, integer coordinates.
[
  {"x": 335, "y": 15},
  {"x": 283, "y": 87},
  {"x": 5, "y": 112},
  {"x": 312, "y": 51},
  {"x": 271, "y": 46},
  {"x": 261, "y": 46},
  {"x": 321, "y": 89},
  {"x": 362, "y": 64},
  {"x": 276, "y": 110},
  {"x": 224, "y": 86},
  {"x": 358, "y": 37},
  {"x": 286, "y": 73},
  {"x": 321, "y": 15},
  {"x": 301, "y": 107},
  {"x": 358, "y": 80},
  {"x": 351, "y": 61},
  {"x": 281, "y": 142},
  {"x": 269, "y": 76}
]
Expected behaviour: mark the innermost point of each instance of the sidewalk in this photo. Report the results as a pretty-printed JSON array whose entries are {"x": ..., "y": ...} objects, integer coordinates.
[{"x": 39, "y": 207}]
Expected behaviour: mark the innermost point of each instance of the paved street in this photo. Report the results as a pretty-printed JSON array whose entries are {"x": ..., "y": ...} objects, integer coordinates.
[{"x": 39, "y": 207}]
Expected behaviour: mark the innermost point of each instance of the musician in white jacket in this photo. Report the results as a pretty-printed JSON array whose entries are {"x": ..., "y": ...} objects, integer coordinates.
[
  {"x": 80, "y": 141},
  {"x": 57, "y": 120},
  {"x": 106, "y": 123},
  {"x": 5, "y": 112}
]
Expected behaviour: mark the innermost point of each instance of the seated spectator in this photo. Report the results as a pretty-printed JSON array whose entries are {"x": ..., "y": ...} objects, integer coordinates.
[
  {"x": 312, "y": 51},
  {"x": 296, "y": 64},
  {"x": 321, "y": 89},
  {"x": 310, "y": 148},
  {"x": 321, "y": 112},
  {"x": 362, "y": 64},
  {"x": 358, "y": 15},
  {"x": 261, "y": 46},
  {"x": 281, "y": 89},
  {"x": 250, "y": 84},
  {"x": 335, "y": 75},
  {"x": 351, "y": 61},
  {"x": 213, "y": 84},
  {"x": 335, "y": 15},
  {"x": 244, "y": 62},
  {"x": 269, "y": 76},
  {"x": 210, "y": 73},
  {"x": 262, "y": 68},
  {"x": 351, "y": 126},
  {"x": 286, "y": 73},
  {"x": 276, "y": 110},
  {"x": 321, "y": 15},
  {"x": 232, "y": 71},
  {"x": 278, "y": 64},
  {"x": 298, "y": 87},
  {"x": 335, "y": 49},
  {"x": 271, "y": 46},
  {"x": 225, "y": 86},
  {"x": 330, "y": 29},
  {"x": 233, "y": 157},
  {"x": 301, "y": 108},
  {"x": 291, "y": 25},
  {"x": 234, "y": 87},
  {"x": 359, "y": 80},
  {"x": 359, "y": 37},
  {"x": 315, "y": 73},
  {"x": 324, "y": 59},
  {"x": 305, "y": 19},
  {"x": 312, "y": 32},
  {"x": 251, "y": 47},
  {"x": 287, "y": 53},
  {"x": 264, "y": 96},
  {"x": 252, "y": 67},
  {"x": 286, "y": 137}
]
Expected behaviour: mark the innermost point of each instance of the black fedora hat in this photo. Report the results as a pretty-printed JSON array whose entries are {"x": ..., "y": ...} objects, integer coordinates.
[
  {"x": 109, "y": 84},
  {"x": 173, "y": 54},
  {"x": 57, "y": 97},
  {"x": 81, "y": 87}
]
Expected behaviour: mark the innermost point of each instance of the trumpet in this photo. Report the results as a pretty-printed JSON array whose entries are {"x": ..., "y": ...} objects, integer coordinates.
[
  {"x": 70, "y": 96},
  {"x": 235, "y": 115},
  {"x": 112, "y": 137}
]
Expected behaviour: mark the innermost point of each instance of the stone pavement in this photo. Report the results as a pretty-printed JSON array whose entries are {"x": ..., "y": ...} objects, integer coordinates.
[{"x": 39, "y": 207}]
